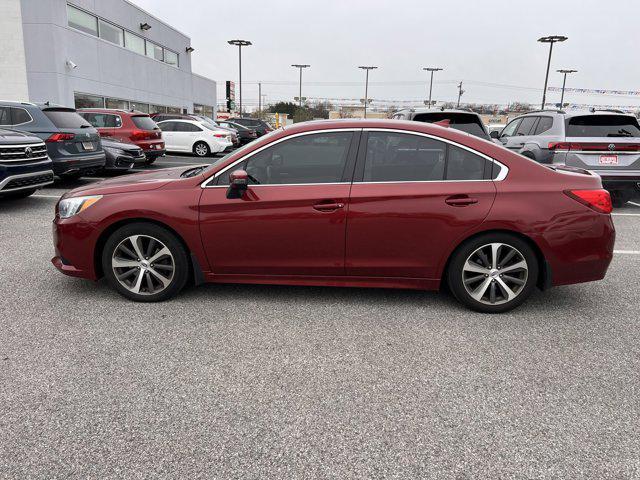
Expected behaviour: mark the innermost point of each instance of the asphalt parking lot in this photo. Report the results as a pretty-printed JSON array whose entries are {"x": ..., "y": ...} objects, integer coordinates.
[{"x": 290, "y": 382}]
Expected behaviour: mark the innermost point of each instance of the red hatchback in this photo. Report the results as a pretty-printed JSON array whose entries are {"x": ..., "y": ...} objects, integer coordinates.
[
  {"x": 128, "y": 126},
  {"x": 345, "y": 203}
]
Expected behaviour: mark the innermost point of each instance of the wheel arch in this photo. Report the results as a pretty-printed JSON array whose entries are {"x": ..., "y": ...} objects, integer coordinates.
[
  {"x": 195, "y": 270},
  {"x": 544, "y": 279}
]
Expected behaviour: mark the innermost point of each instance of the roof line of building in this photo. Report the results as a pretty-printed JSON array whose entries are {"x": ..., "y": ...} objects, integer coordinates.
[{"x": 158, "y": 19}]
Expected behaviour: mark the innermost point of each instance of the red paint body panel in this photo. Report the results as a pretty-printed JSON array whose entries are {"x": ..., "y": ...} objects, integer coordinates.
[{"x": 395, "y": 235}]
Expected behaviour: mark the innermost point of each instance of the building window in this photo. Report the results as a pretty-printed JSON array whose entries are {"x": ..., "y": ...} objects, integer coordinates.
[
  {"x": 174, "y": 110},
  {"x": 155, "y": 51},
  {"x": 117, "y": 103},
  {"x": 82, "y": 21},
  {"x": 134, "y": 43},
  {"x": 171, "y": 57},
  {"x": 88, "y": 101},
  {"x": 157, "y": 109},
  {"x": 141, "y": 107},
  {"x": 111, "y": 33}
]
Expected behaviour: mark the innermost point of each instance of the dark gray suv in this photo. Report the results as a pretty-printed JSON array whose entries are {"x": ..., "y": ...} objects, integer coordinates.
[
  {"x": 464, "y": 120},
  {"x": 606, "y": 142},
  {"x": 72, "y": 143}
]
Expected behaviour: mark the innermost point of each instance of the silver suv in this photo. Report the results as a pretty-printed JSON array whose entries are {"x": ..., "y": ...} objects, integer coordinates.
[{"x": 606, "y": 142}]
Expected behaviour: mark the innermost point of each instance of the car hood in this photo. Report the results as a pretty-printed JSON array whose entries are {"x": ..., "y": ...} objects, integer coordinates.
[{"x": 138, "y": 182}]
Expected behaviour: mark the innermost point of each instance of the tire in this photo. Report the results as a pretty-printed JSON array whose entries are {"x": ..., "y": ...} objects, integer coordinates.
[
  {"x": 620, "y": 197},
  {"x": 201, "y": 149},
  {"x": 150, "y": 160},
  {"x": 483, "y": 289},
  {"x": 144, "y": 280},
  {"x": 18, "y": 195}
]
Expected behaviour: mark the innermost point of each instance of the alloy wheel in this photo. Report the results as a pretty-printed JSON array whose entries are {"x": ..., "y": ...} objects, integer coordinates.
[
  {"x": 495, "y": 274},
  {"x": 201, "y": 150},
  {"x": 143, "y": 265}
]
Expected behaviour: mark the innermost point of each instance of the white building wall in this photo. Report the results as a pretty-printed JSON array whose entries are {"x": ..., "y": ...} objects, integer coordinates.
[{"x": 13, "y": 72}]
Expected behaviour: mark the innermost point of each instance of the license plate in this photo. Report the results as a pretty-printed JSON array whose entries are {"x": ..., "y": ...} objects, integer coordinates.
[
  {"x": 87, "y": 145},
  {"x": 608, "y": 159}
]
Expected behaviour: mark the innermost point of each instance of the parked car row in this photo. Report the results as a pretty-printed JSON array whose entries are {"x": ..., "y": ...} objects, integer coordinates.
[
  {"x": 38, "y": 141},
  {"x": 606, "y": 142}
]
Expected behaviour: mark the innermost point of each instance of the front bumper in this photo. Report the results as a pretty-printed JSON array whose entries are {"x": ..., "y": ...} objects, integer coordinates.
[{"x": 73, "y": 241}]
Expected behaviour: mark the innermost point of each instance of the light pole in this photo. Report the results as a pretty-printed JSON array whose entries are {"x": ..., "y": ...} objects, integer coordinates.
[
  {"x": 300, "y": 67},
  {"x": 564, "y": 83},
  {"x": 366, "y": 87},
  {"x": 431, "y": 69},
  {"x": 551, "y": 39},
  {"x": 240, "y": 44},
  {"x": 460, "y": 92}
]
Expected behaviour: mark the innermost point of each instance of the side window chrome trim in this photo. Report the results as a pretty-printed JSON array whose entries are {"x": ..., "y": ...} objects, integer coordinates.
[
  {"x": 215, "y": 176},
  {"x": 504, "y": 170}
]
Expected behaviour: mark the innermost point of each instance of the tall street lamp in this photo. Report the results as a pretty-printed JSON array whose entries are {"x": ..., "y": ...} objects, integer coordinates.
[
  {"x": 366, "y": 87},
  {"x": 431, "y": 69},
  {"x": 564, "y": 83},
  {"x": 300, "y": 67},
  {"x": 551, "y": 39},
  {"x": 240, "y": 44}
]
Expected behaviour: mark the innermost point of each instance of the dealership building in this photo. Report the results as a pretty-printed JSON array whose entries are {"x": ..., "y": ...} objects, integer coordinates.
[{"x": 98, "y": 53}]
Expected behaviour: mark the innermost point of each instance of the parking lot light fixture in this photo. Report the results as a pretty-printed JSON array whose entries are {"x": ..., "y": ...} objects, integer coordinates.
[
  {"x": 366, "y": 86},
  {"x": 564, "y": 83},
  {"x": 551, "y": 39},
  {"x": 300, "y": 67},
  {"x": 240, "y": 44},
  {"x": 432, "y": 70}
]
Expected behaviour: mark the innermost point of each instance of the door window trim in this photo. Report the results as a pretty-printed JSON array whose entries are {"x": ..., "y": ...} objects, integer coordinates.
[{"x": 213, "y": 178}]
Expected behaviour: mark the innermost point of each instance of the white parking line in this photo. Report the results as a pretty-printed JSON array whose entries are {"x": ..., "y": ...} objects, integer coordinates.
[
  {"x": 47, "y": 196},
  {"x": 634, "y": 203},
  {"x": 627, "y": 252},
  {"x": 626, "y": 214}
]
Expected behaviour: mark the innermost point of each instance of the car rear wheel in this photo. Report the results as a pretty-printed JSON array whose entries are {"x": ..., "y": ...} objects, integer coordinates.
[
  {"x": 145, "y": 262},
  {"x": 201, "y": 149},
  {"x": 493, "y": 273}
]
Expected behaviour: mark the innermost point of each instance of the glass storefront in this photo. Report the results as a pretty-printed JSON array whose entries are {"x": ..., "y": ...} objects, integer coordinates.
[{"x": 88, "y": 101}]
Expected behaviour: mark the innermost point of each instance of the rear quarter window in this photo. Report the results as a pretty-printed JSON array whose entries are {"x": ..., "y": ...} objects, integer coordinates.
[
  {"x": 602, "y": 126},
  {"x": 66, "y": 119}
]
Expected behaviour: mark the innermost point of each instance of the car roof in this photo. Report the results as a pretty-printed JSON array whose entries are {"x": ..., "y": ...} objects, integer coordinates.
[
  {"x": 113, "y": 110},
  {"x": 436, "y": 110}
]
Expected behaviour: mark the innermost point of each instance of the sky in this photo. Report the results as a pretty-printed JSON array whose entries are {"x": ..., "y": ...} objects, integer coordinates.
[{"x": 478, "y": 42}]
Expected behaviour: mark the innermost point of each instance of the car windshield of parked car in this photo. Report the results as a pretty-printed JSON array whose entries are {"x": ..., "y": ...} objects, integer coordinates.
[
  {"x": 66, "y": 119},
  {"x": 143, "y": 122},
  {"x": 602, "y": 126}
]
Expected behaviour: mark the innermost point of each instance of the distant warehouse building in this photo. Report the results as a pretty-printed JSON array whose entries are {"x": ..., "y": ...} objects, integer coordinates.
[{"x": 98, "y": 53}]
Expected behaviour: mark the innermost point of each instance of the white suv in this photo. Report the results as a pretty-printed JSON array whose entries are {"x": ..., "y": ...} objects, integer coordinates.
[{"x": 199, "y": 138}]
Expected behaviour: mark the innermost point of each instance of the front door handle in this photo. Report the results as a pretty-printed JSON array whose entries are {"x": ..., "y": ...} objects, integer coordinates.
[
  {"x": 460, "y": 201},
  {"x": 328, "y": 207}
]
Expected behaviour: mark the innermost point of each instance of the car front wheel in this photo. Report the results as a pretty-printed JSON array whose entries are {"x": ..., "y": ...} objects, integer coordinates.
[
  {"x": 493, "y": 273},
  {"x": 145, "y": 262}
]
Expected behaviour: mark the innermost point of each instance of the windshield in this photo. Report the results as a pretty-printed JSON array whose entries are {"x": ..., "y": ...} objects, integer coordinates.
[{"x": 603, "y": 126}]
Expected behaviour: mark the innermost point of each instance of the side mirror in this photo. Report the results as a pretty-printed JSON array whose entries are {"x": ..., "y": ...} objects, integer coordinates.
[
  {"x": 238, "y": 184},
  {"x": 495, "y": 134}
]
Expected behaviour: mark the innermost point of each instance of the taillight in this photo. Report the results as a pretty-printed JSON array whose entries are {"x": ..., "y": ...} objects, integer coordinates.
[
  {"x": 219, "y": 135},
  {"x": 598, "y": 200},
  {"x": 139, "y": 135},
  {"x": 593, "y": 147},
  {"x": 60, "y": 137}
]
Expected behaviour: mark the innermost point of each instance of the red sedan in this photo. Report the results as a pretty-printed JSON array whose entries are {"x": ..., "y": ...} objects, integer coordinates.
[{"x": 345, "y": 203}]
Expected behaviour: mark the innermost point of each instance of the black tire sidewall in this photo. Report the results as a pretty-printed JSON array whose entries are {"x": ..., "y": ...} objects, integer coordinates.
[
  {"x": 454, "y": 271},
  {"x": 201, "y": 143},
  {"x": 178, "y": 251}
]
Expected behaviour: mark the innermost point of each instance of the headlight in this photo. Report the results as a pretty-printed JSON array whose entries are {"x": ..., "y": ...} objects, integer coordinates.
[{"x": 74, "y": 205}]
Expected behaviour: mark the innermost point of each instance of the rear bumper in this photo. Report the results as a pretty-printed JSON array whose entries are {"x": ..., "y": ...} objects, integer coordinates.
[
  {"x": 155, "y": 153},
  {"x": 619, "y": 178},
  {"x": 80, "y": 163}
]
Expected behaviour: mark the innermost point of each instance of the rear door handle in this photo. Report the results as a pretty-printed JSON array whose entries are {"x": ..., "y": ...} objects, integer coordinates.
[
  {"x": 328, "y": 207},
  {"x": 460, "y": 201}
]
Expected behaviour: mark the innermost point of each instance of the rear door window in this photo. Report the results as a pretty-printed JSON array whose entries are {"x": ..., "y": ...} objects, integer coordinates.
[
  {"x": 544, "y": 125},
  {"x": 102, "y": 120},
  {"x": 143, "y": 122},
  {"x": 602, "y": 126},
  {"x": 66, "y": 119},
  {"x": 526, "y": 126},
  {"x": 402, "y": 157}
]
